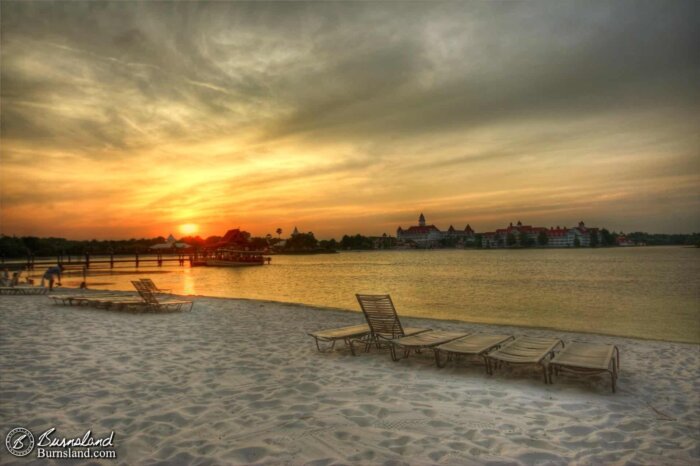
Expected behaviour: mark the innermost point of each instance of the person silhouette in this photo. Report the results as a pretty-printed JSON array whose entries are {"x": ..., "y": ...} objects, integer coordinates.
[{"x": 51, "y": 274}]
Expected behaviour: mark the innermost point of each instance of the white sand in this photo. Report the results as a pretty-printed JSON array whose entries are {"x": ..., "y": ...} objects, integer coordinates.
[{"x": 239, "y": 382}]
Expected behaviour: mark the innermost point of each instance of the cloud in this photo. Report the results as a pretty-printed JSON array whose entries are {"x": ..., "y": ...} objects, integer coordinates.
[{"x": 213, "y": 110}]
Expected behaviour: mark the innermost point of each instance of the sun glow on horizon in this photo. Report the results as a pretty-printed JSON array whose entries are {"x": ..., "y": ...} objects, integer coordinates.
[
  {"x": 417, "y": 115},
  {"x": 189, "y": 228}
]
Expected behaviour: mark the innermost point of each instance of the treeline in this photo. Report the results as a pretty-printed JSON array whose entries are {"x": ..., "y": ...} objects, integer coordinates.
[
  {"x": 665, "y": 239},
  {"x": 356, "y": 242},
  {"x": 13, "y": 246},
  {"x": 20, "y": 247},
  {"x": 359, "y": 242}
]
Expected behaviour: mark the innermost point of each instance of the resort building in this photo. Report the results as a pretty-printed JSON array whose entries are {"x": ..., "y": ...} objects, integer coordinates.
[
  {"x": 424, "y": 235},
  {"x": 170, "y": 243},
  {"x": 622, "y": 240},
  {"x": 553, "y": 237}
]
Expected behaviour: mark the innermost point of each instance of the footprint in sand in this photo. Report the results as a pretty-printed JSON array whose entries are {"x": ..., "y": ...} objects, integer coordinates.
[{"x": 248, "y": 455}]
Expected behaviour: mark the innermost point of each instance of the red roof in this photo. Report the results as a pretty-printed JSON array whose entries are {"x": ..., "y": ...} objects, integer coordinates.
[
  {"x": 557, "y": 231},
  {"x": 422, "y": 230}
]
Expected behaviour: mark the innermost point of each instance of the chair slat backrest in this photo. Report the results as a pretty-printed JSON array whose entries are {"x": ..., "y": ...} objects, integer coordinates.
[
  {"x": 381, "y": 315},
  {"x": 148, "y": 283},
  {"x": 145, "y": 293}
]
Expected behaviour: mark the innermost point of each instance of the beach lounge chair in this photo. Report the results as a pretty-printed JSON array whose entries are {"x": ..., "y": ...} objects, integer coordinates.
[
  {"x": 347, "y": 334},
  {"x": 384, "y": 323},
  {"x": 74, "y": 300},
  {"x": 82, "y": 298},
  {"x": 23, "y": 290},
  {"x": 154, "y": 304},
  {"x": 475, "y": 346},
  {"x": 422, "y": 341},
  {"x": 587, "y": 359},
  {"x": 152, "y": 286},
  {"x": 524, "y": 351},
  {"x": 101, "y": 300}
]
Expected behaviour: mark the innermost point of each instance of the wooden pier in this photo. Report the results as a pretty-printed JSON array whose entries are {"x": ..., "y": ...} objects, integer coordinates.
[{"x": 87, "y": 262}]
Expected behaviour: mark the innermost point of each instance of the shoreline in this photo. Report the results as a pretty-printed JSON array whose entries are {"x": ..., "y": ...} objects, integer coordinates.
[
  {"x": 238, "y": 381},
  {"x": 22, "y": 261},
  {"x": 453, "y": 321},
  {"x": 422, "y": 318}
]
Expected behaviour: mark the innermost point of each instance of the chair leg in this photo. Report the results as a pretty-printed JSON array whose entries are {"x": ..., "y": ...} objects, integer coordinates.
[
  {"x": 352, "y": 347},
  {"x": 437, "y": 358},
  {"x": 612, "y": 381},
  {"x": 320, "y": 350}
]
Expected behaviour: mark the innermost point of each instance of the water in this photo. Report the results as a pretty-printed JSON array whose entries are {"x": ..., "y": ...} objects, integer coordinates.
[{"x": 647, "y": 292}]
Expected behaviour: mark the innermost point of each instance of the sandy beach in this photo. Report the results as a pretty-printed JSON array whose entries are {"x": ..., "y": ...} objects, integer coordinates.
[{"x": 240, "y": 382}]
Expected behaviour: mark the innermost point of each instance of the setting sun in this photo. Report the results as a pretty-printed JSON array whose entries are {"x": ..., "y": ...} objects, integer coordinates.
[{"x": 188, "y": 229}]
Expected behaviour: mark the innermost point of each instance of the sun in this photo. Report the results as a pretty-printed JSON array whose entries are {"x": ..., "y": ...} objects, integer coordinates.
[{"x": 188, "y": 228}]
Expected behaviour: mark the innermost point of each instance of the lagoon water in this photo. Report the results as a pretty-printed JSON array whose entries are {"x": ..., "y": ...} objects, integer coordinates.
[{"x": 647, "y": 292}]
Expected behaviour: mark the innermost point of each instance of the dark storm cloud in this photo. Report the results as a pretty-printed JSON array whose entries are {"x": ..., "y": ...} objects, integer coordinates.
[{"x": 347, "y": 69}]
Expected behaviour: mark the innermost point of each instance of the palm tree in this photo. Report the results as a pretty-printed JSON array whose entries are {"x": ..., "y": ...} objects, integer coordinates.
[{"x": 279, "y": 232}]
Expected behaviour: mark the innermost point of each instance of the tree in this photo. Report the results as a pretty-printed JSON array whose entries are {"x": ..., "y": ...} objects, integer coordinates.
[
  {"x": 448, "y": 242},
  {"x": 542, "y": 239},
  {"x": 525, "y": 240},
  {"x": 577, "y": 242},
  {"x": 478, "y": 241},
  {"x": 330, "y": 244},
  {"x": 302, "y": 242},
  {"x": 594, "y": 239},
  {"x": 212, "y": 239},
  {"x": 192, "y": 241},
  {"x": 258, "y": 244},
  {"x": 279, "y": 232},
  {"x": 607, "y": 237},
  {"x": 510, "y": 240},
  {"x": 356, "y": 242}
]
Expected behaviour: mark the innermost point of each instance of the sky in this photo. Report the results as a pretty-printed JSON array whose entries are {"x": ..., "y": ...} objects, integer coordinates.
[{"x": 129, "y": 119}]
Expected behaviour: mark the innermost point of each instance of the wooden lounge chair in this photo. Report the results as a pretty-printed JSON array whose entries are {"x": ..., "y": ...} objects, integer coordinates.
[
  {"x": 524, "y": 351},
  {"x": 117, "y": 302},
  {"x": 80, "y": 299},
  {"x": 12, "y": 286},
  {"x": 102, "y": 300},
  {"x": 587, "y": 359},
  {"x": 347, "y": 334},
  {"x": 153, "y": 304},
  {"x": 23, "y": 290},
  {"x": 384, "y": 323},
  {"x": 75, "y": 300},
  {"x": 152, "y": 286},
  {"x": 476, "y": 345},
  {"x": 422, "y": 341}
]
